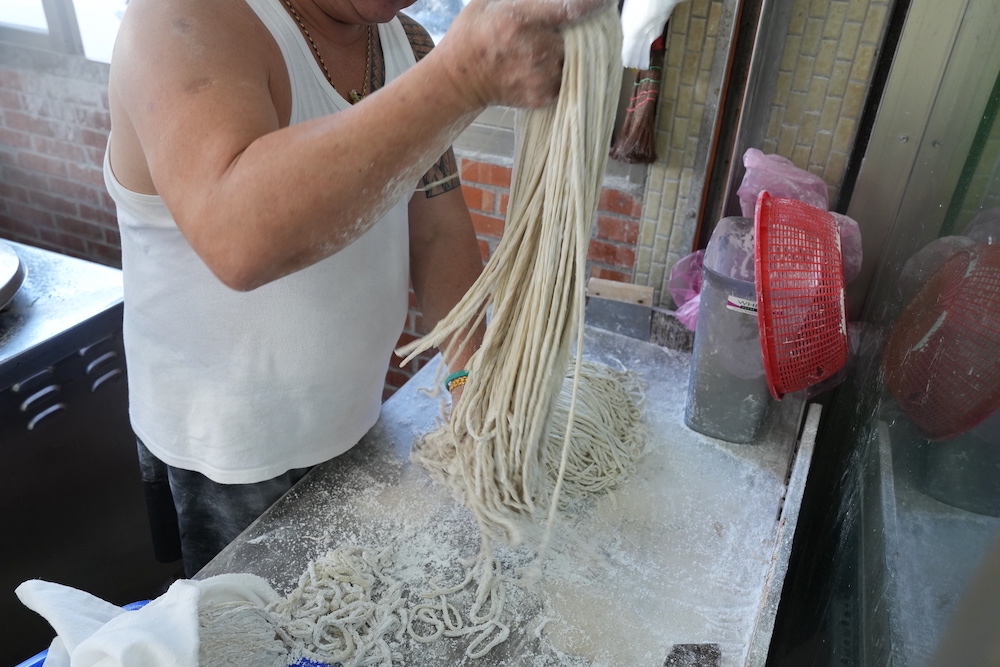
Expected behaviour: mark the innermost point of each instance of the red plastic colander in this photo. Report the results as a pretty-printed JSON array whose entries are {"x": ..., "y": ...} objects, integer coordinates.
[
  {"x": 942, "y": 360},
  {"x": 800, "y": 293}
]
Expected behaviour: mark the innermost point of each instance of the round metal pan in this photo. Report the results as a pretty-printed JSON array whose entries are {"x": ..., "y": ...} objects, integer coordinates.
[{"x": 11, "y": 274}]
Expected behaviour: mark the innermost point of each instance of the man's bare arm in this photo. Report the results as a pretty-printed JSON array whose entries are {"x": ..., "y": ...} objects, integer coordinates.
[{"x": 258, "y": 201}]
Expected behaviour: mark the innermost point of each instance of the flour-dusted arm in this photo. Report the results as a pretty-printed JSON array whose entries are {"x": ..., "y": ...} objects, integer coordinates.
[{"x": 196, "y": 120}]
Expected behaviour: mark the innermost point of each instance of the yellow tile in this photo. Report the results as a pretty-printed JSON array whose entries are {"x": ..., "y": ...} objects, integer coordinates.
[
  {"x": 800, "y": 154},
  {"x": 701, "y": 88},
  {"x": 863, "y": 63},
  {"x": 826, "y": 57},
  {"x": 874, "y": 25},
  {"x": 663, "y": 143},
  {"x": 684, "y": 102},
  {"x": 697, "y": 115},
  {"x": 715, "y": 14},
  {"x": 808, "y": 127},
  {"x": 786, "y": 140},
  {"x": 843, "y": 136},
  {"x": 671, "y": 173},
  {"x": 818, "y": 8},
  {"x": 797, "y": 21},
  {"x": 849, "y": 37},
  {"x": 857, "y": 10},
  {"x": 811, "y": 37},
  {"x": 690, "y": 68},
  {"x": 683, "y": 188},
  {"x": 676, "y": 46},
  {"x": 700, "y": 8},
  {"x": 696, "y": 32},
  {"x": 662, "y": 240},
  {"x": 817, "y": 93},
  {"x": 782, "y": 88},
  {"x": 691, "y": 152},
  {"x": 839, "y": 78},
  {"x": 835, "y": 168},
  {"x": 854, "y": 99},
  {"x": 802, "y": 78},
  {"x": 648, "y": 231},
  {"x": 774, "y": 121},
  {"x": 769, "y": 146},
  {"x": 835, "y": 17},
  {"x": 821, "y": 148},
  {"x": 709, "y": 51},
  {"x": 795, "y": 107},
  {"x": 643, "y": 261},
  {"x": 790, "y": 56},
  {"x": 830, "y": 114}
]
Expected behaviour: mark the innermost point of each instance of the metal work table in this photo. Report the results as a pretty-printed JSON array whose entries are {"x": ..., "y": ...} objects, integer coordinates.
[
  {"x": 691, "y": 550},
  {"x": 59, "y": 292}
]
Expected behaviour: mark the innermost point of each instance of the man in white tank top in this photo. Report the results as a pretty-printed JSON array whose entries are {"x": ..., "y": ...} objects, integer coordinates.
[{"x": 282, "y": 171}]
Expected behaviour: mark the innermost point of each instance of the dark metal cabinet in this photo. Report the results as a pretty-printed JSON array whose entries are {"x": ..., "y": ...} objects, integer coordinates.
[{"x": 71, "y": 504}]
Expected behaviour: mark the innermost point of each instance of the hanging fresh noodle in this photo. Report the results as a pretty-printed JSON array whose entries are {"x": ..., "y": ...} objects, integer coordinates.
[
  {"x": 608, "y": 433},
  {"x": 513, "y": 443},
  {"x": 490, "y": 451}
]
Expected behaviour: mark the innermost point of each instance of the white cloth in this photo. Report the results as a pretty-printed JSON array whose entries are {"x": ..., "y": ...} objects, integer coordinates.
[
  {"x": 642, "y": 23},
  {"x": 164, "y": 633},
  {"x": 243, "y": 386}
]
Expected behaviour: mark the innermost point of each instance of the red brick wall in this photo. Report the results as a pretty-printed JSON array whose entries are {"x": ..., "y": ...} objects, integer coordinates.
[
  {"x": 53, "y": 129},
  {"x": 487, "y": 190}
]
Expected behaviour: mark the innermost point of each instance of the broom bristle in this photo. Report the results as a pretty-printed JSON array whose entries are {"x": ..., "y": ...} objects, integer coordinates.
[{"x": 636, "y": 141}]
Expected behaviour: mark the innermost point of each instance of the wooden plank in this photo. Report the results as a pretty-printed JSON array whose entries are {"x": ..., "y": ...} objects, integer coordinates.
[{"x": 603, "y": 288}]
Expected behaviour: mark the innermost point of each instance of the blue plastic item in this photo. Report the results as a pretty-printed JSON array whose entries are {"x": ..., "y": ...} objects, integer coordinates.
[{"x": 38, "y": 660}]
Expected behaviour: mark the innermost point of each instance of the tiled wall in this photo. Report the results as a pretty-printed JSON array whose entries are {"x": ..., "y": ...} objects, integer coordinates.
[
  {"x": 822, "y": 84},
  {"x": 53, "y": 129},
  {"x": 667, "y": 231},
  {"x": 822, "y": 81}
]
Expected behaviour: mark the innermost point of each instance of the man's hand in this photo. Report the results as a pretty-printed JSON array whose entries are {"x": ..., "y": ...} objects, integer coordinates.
[{"x": 510, "y": 52}]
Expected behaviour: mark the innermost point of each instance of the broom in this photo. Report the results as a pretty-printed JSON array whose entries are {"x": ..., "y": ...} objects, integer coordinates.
[{"x": 636, "y": 141}]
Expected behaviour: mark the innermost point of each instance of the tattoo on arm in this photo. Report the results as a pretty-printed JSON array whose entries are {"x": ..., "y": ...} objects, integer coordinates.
[
  {"x": 443, "y": 176},
  {"x": 420, "y": 39}
]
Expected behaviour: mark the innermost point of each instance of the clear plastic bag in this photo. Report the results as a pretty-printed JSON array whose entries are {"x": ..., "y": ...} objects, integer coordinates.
[
  {"x": 850, "y": 245},
  {"x": 985, "y": 227}
]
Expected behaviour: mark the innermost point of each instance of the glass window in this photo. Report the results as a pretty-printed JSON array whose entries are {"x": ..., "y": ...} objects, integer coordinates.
[
  {"x": 435, "y": 15},
  {"x": 99, "y": 21},
  {"x": 24, "y": 14}
]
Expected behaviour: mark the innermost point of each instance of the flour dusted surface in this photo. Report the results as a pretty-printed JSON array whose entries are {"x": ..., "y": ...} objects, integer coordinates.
[{"x": 679, "y": 554}]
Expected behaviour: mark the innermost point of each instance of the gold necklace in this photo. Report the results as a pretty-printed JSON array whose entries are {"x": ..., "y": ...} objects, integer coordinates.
[{"x": 354, "y": 96}]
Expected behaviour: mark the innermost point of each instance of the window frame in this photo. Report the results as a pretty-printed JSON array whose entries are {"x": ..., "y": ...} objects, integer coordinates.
[{"x": 63, "y": 34}]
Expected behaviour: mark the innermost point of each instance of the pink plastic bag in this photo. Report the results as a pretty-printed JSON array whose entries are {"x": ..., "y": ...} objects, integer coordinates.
[
  {"x": 685, "y": 278},
  {"x": 781, "y": 178},
  {"x": 688, "y": 313},
  {"x": 685, "y": 287}
]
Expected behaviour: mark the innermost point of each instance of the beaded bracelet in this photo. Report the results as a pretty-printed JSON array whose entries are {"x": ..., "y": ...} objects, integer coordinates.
[{"x": 456, "y": 379}]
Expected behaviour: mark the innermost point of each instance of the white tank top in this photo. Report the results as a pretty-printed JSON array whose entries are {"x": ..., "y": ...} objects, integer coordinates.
[{"x": 242, "y": 386}]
